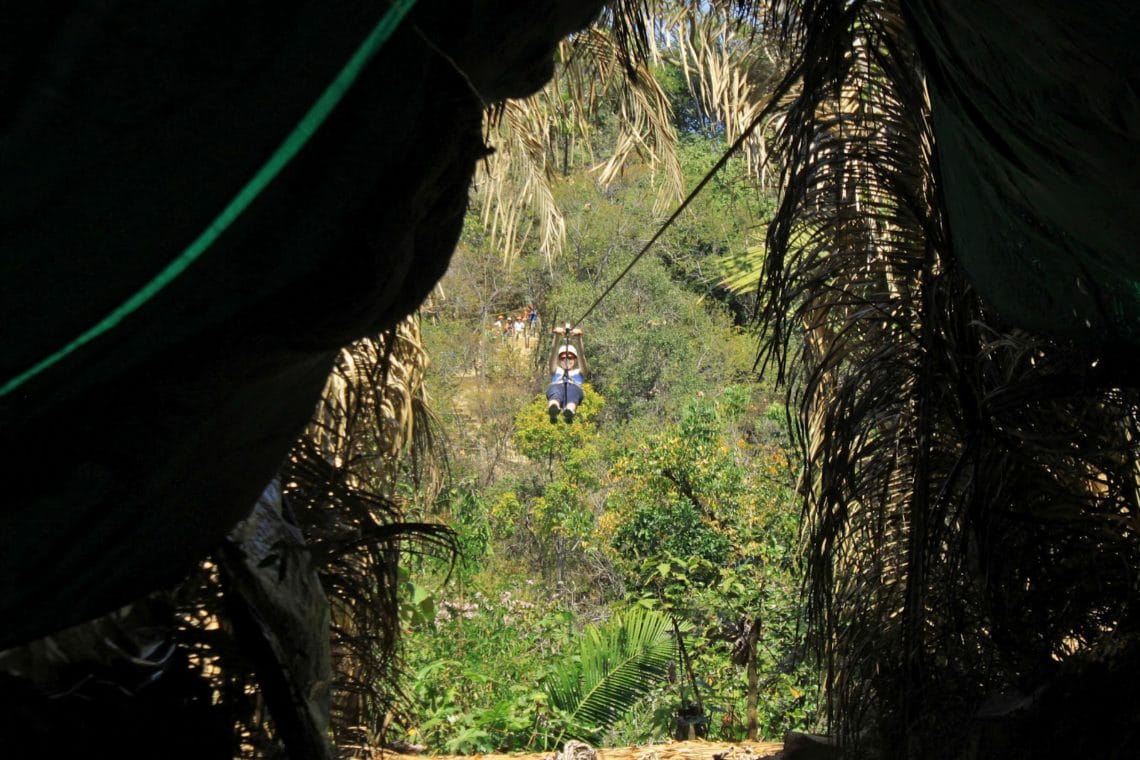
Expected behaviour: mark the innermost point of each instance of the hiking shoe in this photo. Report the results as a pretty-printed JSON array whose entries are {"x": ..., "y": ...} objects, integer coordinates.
[
  {"x": 568, "y": 415},
  {"x": 552, "y": 410}
]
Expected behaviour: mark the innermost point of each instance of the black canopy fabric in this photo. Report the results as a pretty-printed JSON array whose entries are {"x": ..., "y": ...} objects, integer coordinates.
[
  {"x": 125, "y": 128},
  {"x": 1036, "y": 107}
]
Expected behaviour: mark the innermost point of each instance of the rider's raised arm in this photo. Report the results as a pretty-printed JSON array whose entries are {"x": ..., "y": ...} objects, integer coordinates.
[
  {"x": 558, "y": 341},
  {"x": 577, "y": 333}
]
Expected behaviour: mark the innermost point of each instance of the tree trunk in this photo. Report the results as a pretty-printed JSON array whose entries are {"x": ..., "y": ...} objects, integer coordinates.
[{"x": 753, "y": 680}]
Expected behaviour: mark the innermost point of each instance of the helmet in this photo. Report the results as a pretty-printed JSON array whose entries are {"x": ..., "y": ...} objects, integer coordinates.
[{"x": 567, "y": 349}]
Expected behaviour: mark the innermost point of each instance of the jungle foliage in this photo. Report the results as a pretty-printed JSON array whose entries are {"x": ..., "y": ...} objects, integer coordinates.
[
  {"x": 667, "y": 506},
  {"x": 968, "y": 489}
]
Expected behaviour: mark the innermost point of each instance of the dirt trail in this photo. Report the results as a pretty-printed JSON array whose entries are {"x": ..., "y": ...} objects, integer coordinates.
[{"x": 689, "y": 750}]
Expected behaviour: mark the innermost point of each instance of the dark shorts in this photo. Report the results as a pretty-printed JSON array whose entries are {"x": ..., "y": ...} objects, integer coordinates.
[{"x": 564, "y": 393}]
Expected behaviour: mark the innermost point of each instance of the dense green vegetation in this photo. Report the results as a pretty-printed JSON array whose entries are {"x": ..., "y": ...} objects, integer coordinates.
[
  {"x": 964, "y": 479},
  {"x": 668, "y": 502}
]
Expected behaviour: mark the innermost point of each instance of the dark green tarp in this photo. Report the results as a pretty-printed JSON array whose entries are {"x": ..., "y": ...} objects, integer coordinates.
[
  {"x": 125, "y": 128},
  {"x": 1036, "y": 110}
]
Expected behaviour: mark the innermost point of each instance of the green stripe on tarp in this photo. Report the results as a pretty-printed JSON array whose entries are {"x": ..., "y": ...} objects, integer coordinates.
[{"x": 297, "y": 139}]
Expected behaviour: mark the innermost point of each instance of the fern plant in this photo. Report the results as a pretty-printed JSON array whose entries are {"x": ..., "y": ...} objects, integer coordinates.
[{"x": 617, "y": 663}]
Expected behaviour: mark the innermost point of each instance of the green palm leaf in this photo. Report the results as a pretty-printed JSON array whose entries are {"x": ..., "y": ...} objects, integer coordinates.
[{"x": 616, "y": 664}]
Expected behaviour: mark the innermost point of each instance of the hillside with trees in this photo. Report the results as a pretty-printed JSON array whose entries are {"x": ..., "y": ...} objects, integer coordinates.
[{"x": 666, "y": 508}]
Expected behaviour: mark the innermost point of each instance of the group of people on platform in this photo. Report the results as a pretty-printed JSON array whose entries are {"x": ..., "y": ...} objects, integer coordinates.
[{"x": 523, "y": 324}]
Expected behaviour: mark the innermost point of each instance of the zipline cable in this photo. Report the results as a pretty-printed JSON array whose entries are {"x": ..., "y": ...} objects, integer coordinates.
[
  {"x": 290, "y": 146},
  {"x": 764, "y": 112}
]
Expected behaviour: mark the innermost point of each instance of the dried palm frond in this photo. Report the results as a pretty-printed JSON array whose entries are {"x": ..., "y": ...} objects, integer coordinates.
[
  {"x": 370, "y": 430},
  {"x": 851, "y": 288},
  {"x": 730, "y": 66},
  {"x": 515, "y": 181},
  {"x": 537, "y": 138},
  {"x": 629, "y": 21},
  {"x": 970, "y": 490},
  {"x": 645, "y": 126}
]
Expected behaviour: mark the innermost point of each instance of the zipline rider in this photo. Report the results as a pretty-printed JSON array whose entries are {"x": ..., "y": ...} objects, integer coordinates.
[{"x": 567, "y": 373}]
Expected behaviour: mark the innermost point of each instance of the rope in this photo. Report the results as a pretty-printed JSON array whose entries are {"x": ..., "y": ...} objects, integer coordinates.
[
  {"x": 292, "y": 144},
  {"x": 565, "y": 340}
]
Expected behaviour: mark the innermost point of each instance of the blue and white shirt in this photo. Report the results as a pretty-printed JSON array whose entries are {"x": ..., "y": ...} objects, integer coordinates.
[{"x": 575, "y": 376}]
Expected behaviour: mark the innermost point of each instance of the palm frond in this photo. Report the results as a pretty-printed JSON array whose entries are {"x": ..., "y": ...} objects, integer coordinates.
[
  {"x": 730, "y": 66},
  {"x": 535, "y": 139},
  {"x": 616, "y": 664},
  {"x": 341, "y": 481},
  {"x": 515, "y": 181},
  {"x": 961, "y": 478}
]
